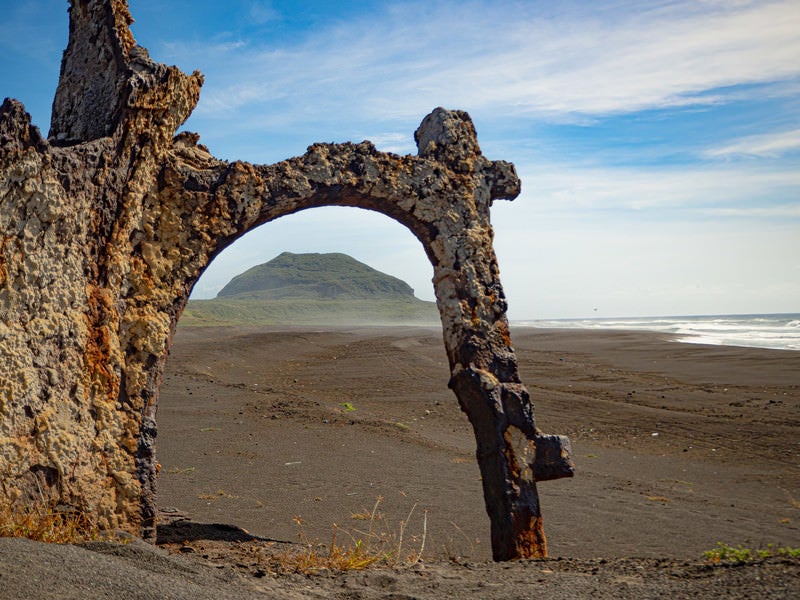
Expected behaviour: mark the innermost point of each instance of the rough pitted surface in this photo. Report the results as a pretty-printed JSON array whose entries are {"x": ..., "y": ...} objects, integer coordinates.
[{"x": 106, "y": 228}]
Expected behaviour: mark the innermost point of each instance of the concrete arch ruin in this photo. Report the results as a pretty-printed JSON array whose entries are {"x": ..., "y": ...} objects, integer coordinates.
[{"x": 108, "y": 223}]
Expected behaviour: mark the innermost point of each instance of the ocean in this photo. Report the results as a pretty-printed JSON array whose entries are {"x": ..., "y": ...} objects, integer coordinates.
[{"x": 775, "y": 331}]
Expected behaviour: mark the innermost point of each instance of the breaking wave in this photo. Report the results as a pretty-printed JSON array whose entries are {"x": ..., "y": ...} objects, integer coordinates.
[{"x": 776, "y": 331}]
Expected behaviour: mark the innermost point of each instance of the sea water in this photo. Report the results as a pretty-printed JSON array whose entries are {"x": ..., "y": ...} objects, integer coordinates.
[{"x": 777, "y": 331}]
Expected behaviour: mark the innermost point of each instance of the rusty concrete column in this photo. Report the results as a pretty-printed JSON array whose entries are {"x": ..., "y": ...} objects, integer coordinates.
[
  {"x": 511, "y": 452},
  {"x": 107, "y": 225}
]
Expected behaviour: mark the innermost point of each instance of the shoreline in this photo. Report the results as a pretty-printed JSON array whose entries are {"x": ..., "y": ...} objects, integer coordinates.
[{"x": 778, "y": 331}]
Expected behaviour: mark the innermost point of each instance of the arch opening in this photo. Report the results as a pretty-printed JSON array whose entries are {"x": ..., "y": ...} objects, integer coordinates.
[
  {"x": 263, "y": 425},
  {"x": 368, "y": 236}
]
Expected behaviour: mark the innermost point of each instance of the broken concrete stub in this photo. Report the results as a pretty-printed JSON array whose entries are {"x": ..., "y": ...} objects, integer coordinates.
[{"x": 106, "y": 226}]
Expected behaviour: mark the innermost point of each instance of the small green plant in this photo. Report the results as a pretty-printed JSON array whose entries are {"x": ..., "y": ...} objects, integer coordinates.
[
  {"x": 724, "y": 554},
  {"x": 347, "y": 406},
  {"x": 728, "y": 554}
]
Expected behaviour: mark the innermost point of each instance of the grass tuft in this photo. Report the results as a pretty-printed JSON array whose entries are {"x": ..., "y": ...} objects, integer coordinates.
[
  {"x": 43, "y": 523},
  {"x": 361, "y": 549}
]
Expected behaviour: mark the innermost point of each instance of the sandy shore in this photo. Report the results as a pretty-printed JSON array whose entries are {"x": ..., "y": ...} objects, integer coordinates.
[{"x": 677, "y": 447}]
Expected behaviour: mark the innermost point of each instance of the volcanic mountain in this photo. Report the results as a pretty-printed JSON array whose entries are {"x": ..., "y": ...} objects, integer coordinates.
[{"x": 312, "y": 289}]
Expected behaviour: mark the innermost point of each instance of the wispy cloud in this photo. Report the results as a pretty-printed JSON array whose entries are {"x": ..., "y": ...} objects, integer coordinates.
[
  {"x": 790, "y": 211},
  {"x": 399, "y": 143},
  {"x": 262, "y": 12},
  {"x": 565, "y": 59},
  {"x": 769, "y": 144},
  {"x": 680, "y": 193}
]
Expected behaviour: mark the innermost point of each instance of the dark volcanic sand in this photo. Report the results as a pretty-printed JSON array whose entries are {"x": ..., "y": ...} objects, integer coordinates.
[
  {"x": 677, "y": 447},
  {"x": 244, "y": 413}
]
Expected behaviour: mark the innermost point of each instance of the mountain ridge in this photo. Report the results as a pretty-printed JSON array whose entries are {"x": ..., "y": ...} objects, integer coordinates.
[{"x": 315, "y": 276}]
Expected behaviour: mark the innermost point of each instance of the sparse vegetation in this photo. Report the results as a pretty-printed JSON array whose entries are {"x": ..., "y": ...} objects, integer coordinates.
[
  {"x": 43, "y": 523},
  {"x": 724, "y": 554},
  {"x": 254, "y": 312},
  {"x": 217, "y": 495},
  {"x": 180, "y": 471},
  {"x": 376, "y": 545}
]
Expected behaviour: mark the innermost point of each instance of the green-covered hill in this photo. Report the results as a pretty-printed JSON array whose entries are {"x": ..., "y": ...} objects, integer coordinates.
[
  {"x": 315, "y": 276},
  {"x": 332, "y": 289}
]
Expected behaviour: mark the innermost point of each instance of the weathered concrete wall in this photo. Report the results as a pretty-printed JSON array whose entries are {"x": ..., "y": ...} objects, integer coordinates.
[{"x": 106, "y": 228}]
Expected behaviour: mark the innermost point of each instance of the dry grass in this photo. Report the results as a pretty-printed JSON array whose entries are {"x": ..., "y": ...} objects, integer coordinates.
[
  {"x": 217, "y": 495},
  {"x": 43, "y": 523},
  {"x": 360, "y": 549},
  {"x": 364, "y": 516}
]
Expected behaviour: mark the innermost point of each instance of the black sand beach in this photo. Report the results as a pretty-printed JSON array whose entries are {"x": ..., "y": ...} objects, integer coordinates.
[{"x": 677, "y": 447}]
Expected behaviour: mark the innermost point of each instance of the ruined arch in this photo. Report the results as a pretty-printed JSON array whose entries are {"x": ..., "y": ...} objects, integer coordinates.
[
  {"x": 108, "y": 223},
  {"x": 337, "y": 197}
]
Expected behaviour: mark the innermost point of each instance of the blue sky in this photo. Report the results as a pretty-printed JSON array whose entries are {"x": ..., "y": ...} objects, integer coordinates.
[{"x": 658, "y": 142}]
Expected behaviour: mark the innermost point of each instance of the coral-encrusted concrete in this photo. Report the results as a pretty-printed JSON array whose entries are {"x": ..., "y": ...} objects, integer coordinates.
[{"x": 107, "y": 226}]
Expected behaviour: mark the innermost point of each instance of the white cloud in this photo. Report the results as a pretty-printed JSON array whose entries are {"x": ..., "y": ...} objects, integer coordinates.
[
  {"x": 681, "y": 192},
  {"x": 786, "y": 211},
  {"x": 530, "y": 58},
  {"x": 769, "y": 144},
  {"x": 398, "y": 143},
  {"x": 263, "y": 12}
]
